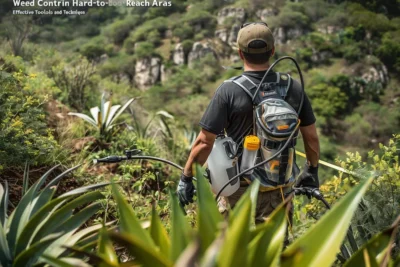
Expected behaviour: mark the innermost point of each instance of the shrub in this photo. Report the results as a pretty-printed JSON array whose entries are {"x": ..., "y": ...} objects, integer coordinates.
[
  {"x": 119, "y": 30},
  {"x": 144, "y": 49},
  {"x": 93, "y": 51},
  {"x": 141, "y": 33},
  {"x": 234, "y": 241},
  {"x": 379, "y": 206},
  {"x": 73, "y": 80},
  {"x": 292, "y": 15},
  {"x": 327, "y": 101},
  {"x": 104, "y": 118},
  {"x": 43, "y": 224},
  {"x": 389, "y": 50},
  {"x": 23, "y": 130}
]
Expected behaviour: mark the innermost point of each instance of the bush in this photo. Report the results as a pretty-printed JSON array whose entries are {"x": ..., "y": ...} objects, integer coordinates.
[
  {"x": 389, "y": 50},
  {"x": 93, "y": 51},
  {"x": 327, "y": 101},
  {"x": 291, "y": 16},
  {"x": 141, "y": 33},
  {"x": 23, "y": 131},
  {"x": 144, "y": 49},
  {"x": 352, "y": 53},
  {"x": 119, "y": 30},
  {"x": 183, "y": 32}
]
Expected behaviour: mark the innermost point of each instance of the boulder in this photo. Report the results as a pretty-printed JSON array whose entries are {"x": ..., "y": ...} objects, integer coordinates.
[
  {"x": 198, "y": 51},
  {"x": 283, "y": 36},
  {"x": 328, "y": 29},
  {"x": 147, "y": 72},
  {"x": 264, "y": 14},
  {"x": 178, "y": 55},
  {"x": 233, "y": 34},
  {"x": 222, "y": 34},
  {"x": 238, "y": 13}
]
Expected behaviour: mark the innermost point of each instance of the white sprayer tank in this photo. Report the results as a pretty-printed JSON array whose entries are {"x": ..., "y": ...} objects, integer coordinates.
[{"x": 222, "y": 167}]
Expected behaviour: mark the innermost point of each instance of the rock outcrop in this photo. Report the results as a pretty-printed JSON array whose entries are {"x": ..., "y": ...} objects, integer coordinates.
[
  {"x": 265, "y": 14},
  {"x": 199, "y": 50},
  {"x": 178, "y": 55},
  {"x": 238, "y": 14},
  {"x": 147, "y": 72},
  {"x": 283, "y": 36}
]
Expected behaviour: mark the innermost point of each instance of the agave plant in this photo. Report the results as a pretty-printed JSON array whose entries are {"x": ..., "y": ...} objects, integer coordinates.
[
  {"x": 104, "y": 118},
  {"x": 40, "y": 222},
  {"x": 236, "y": 242}
]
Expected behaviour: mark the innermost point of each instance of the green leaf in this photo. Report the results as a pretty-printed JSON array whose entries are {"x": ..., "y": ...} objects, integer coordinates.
[
  {"x": 122, "y": 109},
  {"x": 5, "y": 255},
  {"x": 63, "y": 262},
  {"x": 265, "y": 248},
  {"x": 253, "y": 193},
  {"x": 320, "y": 244},
  {"x": 180, "y": 231},
  {"x": 159, "y": 234},
  {"x": 111, "y": 114},
  {"x": 208, "y": 215},
  {"x": 233, "y": 252},
  {"x": 3, "y": 202},
  {"x": 76, "y": 221},
  {"x": 142, "y": 252},
  {"x": 25, "y": 179},
  {"x": 63, "y": 213},
  {"x": 71, "y": 239},
  {"x": 85, "y": 189},
  {"x": 375, "y": 249},
  {"x": 16, "y": 219},
  {"x": 84, "y": 117},
  {"x": 128, "y": 221},
  {"x": 25, "y": 238},
  {"x": 106, "y": 249},
  {"x": 62, "y": 175},
  {"x": 31, "y": 255}
]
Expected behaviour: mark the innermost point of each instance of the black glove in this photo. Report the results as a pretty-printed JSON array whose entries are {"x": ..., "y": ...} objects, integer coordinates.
[
  {"x": 185, "y": 190},
  {"x": 308, "y": 178}
]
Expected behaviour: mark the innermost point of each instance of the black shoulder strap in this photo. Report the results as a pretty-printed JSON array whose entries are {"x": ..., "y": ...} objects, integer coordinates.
[
  {"x": 246, "y": 84},
  {"x": 283, "y": 80}
]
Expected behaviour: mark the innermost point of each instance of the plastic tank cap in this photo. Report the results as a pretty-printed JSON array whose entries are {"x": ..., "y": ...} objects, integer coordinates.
[{"x": 251, "y": 142}]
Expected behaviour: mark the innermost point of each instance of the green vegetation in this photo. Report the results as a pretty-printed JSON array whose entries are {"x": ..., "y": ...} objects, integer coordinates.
[{"x": 52, "y": 66}]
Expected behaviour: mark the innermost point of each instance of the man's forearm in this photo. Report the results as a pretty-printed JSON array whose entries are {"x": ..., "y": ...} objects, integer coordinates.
[
  {"x": 200, "y": 151},
  {"x": 311, "y": 144}
]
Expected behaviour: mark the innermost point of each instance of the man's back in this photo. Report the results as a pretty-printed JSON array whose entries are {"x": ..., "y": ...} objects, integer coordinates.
[{"x": 231, "y": 108}]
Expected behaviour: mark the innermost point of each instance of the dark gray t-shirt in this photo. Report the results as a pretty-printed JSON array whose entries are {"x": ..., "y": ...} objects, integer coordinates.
[{"x": 231, "y": 108}]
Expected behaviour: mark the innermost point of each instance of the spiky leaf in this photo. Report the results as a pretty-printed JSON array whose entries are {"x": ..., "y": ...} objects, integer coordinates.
[{"x": 320, "y": 244}]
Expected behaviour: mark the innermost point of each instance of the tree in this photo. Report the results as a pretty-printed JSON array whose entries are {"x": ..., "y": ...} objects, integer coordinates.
[{"x": 18, "y": 29}]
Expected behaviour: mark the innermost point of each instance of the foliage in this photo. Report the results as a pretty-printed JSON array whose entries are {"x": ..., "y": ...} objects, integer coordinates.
[
  {"x": 41, "y": 223},
  {"x": 380, "y": 204},
  {"x": 23, "y": 130},
  {"x": 104, "y": 118},
  {"x": 18, "y": 29},
  {"x": 73, "y": 80},
  {"x": 389, "y": 50},
  {"x": 327, "y": 101},
  {"x": 119, "y": 30},
  {"x": 292, "y": 15},
  {"x": 235, "y": 241}
]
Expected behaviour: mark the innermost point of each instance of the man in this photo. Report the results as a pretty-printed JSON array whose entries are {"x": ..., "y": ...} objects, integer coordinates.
[{"x": 231, "y": 110}]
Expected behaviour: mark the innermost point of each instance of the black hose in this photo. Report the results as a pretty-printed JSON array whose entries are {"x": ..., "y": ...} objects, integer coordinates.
[
  {"x": 261, "y": 163},
  {"x": 300, "y": 74},
  {"x": 158, "y": 159}
]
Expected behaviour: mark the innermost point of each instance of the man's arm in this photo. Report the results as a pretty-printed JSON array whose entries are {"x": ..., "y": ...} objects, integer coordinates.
[
  {"x": 200, "y": 151},
  {"x": 311, "y": 143}
]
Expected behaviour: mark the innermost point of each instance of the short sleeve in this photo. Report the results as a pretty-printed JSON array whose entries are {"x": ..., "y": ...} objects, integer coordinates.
[
  {"x": 215, "y": 117},
  {"x": 306, "y": 115}
]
